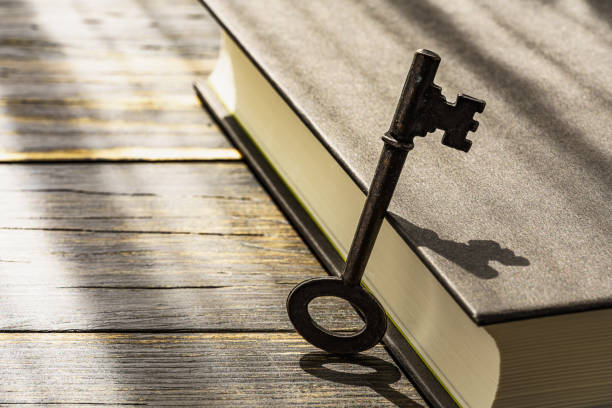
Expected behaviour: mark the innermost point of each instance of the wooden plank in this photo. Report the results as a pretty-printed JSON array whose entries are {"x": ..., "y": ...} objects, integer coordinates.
[
  {"x": 176, "y": 198},
  {"x": 89, "y": 124},
  {"x": 48, "y": 139},
  {"x": 57, "y": 281},
  {"x": 184, "y": 26},
  {"x": 141, "y": 65},
  {"x": 68, "y": 81},
  {"x": 39, "y": 127},
  {"x": 220, "y": 370},
  {"x": 147, "y": 247},
  {"x": 227, "y": 179},
  {"x": 131, "y": 102}
]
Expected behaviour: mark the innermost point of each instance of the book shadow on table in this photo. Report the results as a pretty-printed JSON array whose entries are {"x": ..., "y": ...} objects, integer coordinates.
[
  {"x": 361, "y": 371},
  {"x": 473, "y": 256}
]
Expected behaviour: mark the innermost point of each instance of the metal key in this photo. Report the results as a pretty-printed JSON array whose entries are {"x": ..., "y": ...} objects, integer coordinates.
[{"x": 421, "y": 109}]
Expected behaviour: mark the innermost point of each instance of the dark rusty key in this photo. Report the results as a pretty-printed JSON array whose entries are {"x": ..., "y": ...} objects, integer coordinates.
[{"x": 421, "y": 109}]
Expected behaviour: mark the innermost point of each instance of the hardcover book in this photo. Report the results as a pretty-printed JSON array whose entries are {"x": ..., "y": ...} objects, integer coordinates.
[{"x": 494, "y": 267}]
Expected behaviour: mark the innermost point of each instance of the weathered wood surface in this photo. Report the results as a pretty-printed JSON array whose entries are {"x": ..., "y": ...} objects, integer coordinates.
[
  {"x": 144, "y": 247},
  {"x": 145, "y": 284},
  {"x": 117, "y": 74},
  {"x": 216, "y": 370},
  {"x": 162, "y": 248},
  {"x": 204, "y": 199}
]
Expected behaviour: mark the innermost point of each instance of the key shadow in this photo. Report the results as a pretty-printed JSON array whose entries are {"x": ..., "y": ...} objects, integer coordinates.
[
  {"x": 473, "y": 256},
  {"x": 379, "y": 380}
]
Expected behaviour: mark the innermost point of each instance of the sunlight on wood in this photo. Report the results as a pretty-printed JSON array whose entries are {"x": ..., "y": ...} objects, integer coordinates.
[{"x": 123, "y": 154}]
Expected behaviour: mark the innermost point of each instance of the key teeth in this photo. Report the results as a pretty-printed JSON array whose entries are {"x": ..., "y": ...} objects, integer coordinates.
[
  {"x": 478, "y": 105},
  {"x": 481, "y": 106},
  {"x": 463, "y": 145},
  {"x": 474, "y": 125}
]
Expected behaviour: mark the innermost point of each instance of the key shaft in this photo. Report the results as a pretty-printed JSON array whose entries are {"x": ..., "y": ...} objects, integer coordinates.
[
  {"x": 398, "y": 142},
  {"x": 387, "y": 173}
]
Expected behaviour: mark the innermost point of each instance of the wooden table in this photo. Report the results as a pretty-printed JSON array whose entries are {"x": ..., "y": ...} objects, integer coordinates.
[{"x": 140, "y": 261}]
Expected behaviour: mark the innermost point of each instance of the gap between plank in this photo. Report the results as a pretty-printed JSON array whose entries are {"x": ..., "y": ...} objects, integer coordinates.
[
  {"x": 113, "y": 231},
  {"x": 148, "y": 331}
]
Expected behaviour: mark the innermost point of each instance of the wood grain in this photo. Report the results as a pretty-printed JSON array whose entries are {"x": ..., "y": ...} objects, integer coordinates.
[
  {"x": 173, "y": 198},
  {"x": 147, "y": 247},
  {"x": 77, "y": 76},
  {"x": 140, "y": 282},
  {"x": 220, "y": 370}
]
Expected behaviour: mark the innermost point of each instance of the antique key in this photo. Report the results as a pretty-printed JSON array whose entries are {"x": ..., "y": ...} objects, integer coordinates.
[{"x": 421, "y": 109}]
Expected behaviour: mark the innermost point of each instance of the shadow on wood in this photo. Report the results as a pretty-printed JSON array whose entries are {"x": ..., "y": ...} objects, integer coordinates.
[{"x": 359, "y": 374}]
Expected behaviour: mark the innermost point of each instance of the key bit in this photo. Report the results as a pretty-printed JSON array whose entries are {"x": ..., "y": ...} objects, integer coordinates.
[{"x": 421, "y": 109}]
